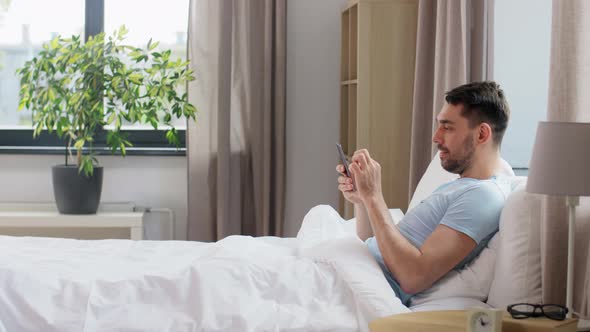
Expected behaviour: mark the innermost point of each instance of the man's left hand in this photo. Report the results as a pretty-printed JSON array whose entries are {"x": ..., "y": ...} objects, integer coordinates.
[{"x": 367, "y": 175}]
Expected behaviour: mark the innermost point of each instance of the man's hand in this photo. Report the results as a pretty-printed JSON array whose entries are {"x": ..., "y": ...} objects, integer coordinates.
[
  {"x": 346, "y": 186},
  {"x": 367, "y": 175}
]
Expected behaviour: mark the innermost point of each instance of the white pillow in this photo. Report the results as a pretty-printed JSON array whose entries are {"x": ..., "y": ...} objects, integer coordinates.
[
  {"x": 472, "y": 282},
  {"x": 435, "y": 176},
  {"x": 475, "y": 280},
  {"x": 517, "y": 277}
]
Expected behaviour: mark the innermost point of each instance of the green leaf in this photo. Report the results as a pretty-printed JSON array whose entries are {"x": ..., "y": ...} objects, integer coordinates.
[
  {"x": 22, "y": 104},
  {"x": 135, "y": 53},
  {"x": 51, "y": 93},
  {"x": 154, "y": 123},
  {"x": 79, "y": 143},
  {"x": 116, "y": 82},
  {"x": 87, "y": 166},
  {"x": 136, "y": 78},
  {"x": 122, "y": 32},
  {"x": 172, "y": 137},
  {"x": 189, "y": 109},
  {"x": 153, "y": 46},
  {"x": 111, "y": 118},
  {"x": 54, "y": 43}
]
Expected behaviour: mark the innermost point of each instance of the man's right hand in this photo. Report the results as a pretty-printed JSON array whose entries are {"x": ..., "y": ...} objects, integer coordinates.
[{"x": 345, "y": 185}]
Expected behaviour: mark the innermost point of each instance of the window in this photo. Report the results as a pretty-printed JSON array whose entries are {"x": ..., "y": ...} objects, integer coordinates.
[
  {"x": 23, "y": 31},
  {"x": 166, "y": 24},
  {"x": 521, "y": 67}
]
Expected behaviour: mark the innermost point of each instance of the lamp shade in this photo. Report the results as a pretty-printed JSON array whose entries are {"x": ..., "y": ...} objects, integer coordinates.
[{"x": 560, "y": 164}]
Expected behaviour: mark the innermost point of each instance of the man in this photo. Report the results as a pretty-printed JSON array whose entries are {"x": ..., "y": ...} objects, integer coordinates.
[{"x": 449, "y": 228}]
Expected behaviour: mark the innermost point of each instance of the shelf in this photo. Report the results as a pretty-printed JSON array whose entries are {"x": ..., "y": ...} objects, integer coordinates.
[
  {"x": 353, "y": 43},
  {"x": 377, "y": 62},
  {"x": 344, "y": 48},
  {"x": 344, "y": 117},
  {"x": 348, "y": 89},
  {"x": 350, "y": 82},
  {"x": 352, "y": 120}
]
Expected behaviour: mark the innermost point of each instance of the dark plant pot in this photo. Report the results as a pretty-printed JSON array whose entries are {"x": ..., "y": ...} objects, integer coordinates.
[{"x": 75, "y": 193}]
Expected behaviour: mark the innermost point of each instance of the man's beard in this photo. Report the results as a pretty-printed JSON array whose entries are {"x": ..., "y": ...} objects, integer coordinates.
[{"x": 458, "y": 164}]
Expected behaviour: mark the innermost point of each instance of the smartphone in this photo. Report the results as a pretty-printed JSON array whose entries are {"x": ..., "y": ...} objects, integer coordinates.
[{"x": 343, "y": 159}]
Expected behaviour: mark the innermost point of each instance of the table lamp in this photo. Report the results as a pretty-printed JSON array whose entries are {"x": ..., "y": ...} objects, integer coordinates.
[{"x": 560, "y": 166}]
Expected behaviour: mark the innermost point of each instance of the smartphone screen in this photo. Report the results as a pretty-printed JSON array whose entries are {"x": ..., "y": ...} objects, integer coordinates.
[{"x": 343, "y": 159}]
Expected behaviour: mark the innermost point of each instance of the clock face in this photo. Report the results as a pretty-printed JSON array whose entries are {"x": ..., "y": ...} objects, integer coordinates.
[{"x": 481, "y": 322}]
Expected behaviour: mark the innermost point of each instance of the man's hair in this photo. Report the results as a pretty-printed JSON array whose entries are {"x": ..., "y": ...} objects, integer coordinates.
[{"x": 482, "y": 102}]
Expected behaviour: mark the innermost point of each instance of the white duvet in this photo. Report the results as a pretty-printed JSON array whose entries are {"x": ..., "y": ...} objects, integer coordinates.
[{"x": 323, "y": 280}]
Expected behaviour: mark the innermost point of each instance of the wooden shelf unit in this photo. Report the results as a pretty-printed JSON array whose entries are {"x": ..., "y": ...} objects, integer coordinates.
[{"x": 378, "y": 48}]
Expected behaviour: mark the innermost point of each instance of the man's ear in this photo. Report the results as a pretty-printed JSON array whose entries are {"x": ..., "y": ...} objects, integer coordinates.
[{"x": 485, "y": 133}]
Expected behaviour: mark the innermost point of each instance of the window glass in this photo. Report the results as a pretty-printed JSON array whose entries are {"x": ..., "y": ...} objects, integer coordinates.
[
  {"x": 521, "y": 67},
  {"x": 165, "y": 22},
  {"x": 24, "y": 26}
]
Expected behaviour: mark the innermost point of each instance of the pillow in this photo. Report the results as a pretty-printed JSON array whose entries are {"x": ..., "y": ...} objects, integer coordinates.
[
  {"x": 435, "y": 176},
  {"x": 517, "y": 277},
  {"x": 471, "y": 283}
]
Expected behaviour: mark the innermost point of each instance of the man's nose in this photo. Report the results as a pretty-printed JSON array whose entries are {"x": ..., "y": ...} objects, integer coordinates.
[{"x": 436, "y": 138}]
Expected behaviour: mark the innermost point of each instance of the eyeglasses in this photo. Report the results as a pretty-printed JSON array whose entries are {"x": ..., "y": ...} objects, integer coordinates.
[{"x": 526, "y": 310}]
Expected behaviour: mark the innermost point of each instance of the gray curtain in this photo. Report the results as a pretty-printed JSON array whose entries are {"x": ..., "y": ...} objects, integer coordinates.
[
  {"x": 454, "y": 46},
  {"x": 235, "y": 150},
  {"x": 569, "y": 100}
]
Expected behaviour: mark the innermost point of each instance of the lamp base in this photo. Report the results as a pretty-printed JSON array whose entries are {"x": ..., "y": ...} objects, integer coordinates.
[
  {"x": 583, "y": 325},
  {"x": 571, "y": 202}
]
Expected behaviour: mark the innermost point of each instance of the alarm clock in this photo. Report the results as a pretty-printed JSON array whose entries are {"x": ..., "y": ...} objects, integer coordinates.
[{"x": 484, "y": 320}]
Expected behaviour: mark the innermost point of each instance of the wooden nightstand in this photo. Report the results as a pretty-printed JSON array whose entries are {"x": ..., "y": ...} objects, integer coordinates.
[
  {"x": 584, "y": 325},
  {"x": 456, "y": 321},
  {"x": 40, "y": 219}
]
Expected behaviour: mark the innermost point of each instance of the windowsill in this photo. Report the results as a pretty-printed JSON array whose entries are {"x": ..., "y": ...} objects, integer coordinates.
[{"x": 131, "y": 151}]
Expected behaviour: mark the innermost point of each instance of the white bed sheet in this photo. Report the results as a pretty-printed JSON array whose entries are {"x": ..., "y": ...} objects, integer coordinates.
[{"x": 324, "y": 280}]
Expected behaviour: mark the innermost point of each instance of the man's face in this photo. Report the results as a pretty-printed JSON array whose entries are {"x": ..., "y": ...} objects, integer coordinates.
[{"x": 454, "y": 139}]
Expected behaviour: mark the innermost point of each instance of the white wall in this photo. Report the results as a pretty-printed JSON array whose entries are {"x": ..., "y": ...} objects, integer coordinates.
[
  {"x": 313, "y": 113},
  {"x": 146, "y": 181}
]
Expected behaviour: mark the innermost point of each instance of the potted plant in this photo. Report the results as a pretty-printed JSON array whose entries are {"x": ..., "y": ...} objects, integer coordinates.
[{"x": 76, "y": 89}]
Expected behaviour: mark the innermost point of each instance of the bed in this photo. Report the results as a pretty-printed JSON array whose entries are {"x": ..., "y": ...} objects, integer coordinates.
[{"x": 324, "y": 279}]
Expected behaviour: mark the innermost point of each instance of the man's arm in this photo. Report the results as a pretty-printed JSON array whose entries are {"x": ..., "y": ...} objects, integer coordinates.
[
  {"x": 416, "y": 269},
  {"x": 363, "y": 226}
]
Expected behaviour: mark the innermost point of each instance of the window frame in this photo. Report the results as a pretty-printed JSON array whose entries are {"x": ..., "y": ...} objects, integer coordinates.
[{"x": 145, "y": 141}]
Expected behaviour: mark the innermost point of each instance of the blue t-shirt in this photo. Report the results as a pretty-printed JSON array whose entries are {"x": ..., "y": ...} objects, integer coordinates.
[{"x": 470, "y": 206}]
